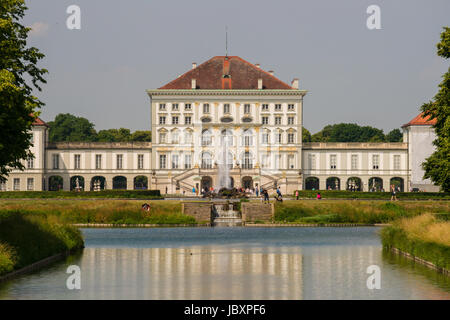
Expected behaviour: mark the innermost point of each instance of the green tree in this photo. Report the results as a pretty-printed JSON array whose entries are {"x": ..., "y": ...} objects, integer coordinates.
[
  {"x": 348, "y": 132},
  {"x": 114, "y": 135},
  {"x": 19, "y": 75},
  {"x": 437, "y": 166},
  {"x": 67, "y": 127},
  {"x": 394, "y": 135},
  {"x": 144, "y": 136},
  {"x": 306, "y": 135}
]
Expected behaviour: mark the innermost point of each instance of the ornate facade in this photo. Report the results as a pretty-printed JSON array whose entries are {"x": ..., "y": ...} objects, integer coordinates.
[{"x": 227, "y": 116}]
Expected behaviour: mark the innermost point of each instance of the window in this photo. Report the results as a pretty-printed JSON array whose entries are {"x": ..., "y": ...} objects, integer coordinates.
[
  {"x": 77, "y": 161},
  {"x": 187, "y": 161},
  {"x": 2, "y": 186},
  {"x": 277, "y": 120},
  {"x": 98, "y": 161},
  {"x": 32, "y": 138},
  {"x": 30, "y": 184},
  {"x": 16, "y": 184},
  {"x": 206, "y": 160},
  {"x": 162, "y": 137},
  {"x": 265, "y": 107},
  {"x": 162, "y": 161},
  {"x": 375, "y": 161},
  {"x": 354, "y": 163},
  {"x": 174, "y": 106},
  {"x": 55, "y": 159},
  {"x": 247, "y": 108},
  {"x": 188, "y": 137},
  {"x": 396, "y": 162},
  {"x": 206, "y": 138},
  {"x": 162, "y": 106},
  {"x": 265, "y": 138},
  {"x": 279, "y": 137},
  {"x": 174, "y": 161},
  {"x": 140, "y": 163},
  {"x": 312, "y": 161},
  {"x": 226, "y": 108},
  {"x": 290, "y": 162},
  {"x": 265, "y": 120},
  {"x": 175, "y": 137},
  {"x": 175, "y": 120},
  {"x": 248, "y": 161},
  {"x": 333, "y": 161},
  {"x": 290, "y": 120},
  {"x": 290, "y": 138},
  {"x": 277, "y": 107},
  {"x": 206, "y": 108},
  {"x": 248, "y": 138},
  {"x": 162, "y": 120},
  {"x": 226, "y": 138},
  {"x": 30, "y": 163},
  {"x": 119, "y": 161},
  {"x": 187, "y": 120},
  {"x": 291, "y": 107},
  {"x": 187, "y": 106}
]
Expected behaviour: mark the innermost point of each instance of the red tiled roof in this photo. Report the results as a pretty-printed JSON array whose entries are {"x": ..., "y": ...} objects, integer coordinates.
[
  {"x": 226, "y": 72},
  {"x": 420, "y": 120},
  {"x": 39, "y": 122}
]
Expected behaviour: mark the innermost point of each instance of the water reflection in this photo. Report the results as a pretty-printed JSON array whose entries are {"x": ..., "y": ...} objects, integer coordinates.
[
  {"x": 232, "y": 263},
  {"x": 208, "y": 272}
]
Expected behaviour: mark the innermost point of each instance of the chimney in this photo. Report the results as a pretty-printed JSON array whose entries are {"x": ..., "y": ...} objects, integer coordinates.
[
  {"x": 260, "y": 86},
  {"x": 294, "y": 83},
  {"x": 257, "y": 65},
  {"x": 194, "y": 84},
  {"x": 271, "y": 72},
  {"x": 194, "y": 65}
]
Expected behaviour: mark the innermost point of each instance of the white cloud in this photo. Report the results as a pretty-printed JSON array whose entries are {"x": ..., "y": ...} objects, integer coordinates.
[{"x": 39, "y": 29}]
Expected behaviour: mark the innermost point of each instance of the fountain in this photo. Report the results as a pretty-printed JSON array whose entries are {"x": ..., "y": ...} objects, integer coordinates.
[{"x": 226, "y": 215}]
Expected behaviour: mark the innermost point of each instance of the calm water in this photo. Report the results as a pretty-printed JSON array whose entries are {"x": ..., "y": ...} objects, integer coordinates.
[{"x": 231, "y": 263}]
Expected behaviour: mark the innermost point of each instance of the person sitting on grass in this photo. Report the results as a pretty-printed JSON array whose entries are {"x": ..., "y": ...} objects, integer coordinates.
[{"x": 146, "y": 207}]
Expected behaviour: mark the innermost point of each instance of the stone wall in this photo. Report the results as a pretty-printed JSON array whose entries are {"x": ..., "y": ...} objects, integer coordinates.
[
  {"x": 252, "y": 212},
  {"x": 200, "y": 211}
]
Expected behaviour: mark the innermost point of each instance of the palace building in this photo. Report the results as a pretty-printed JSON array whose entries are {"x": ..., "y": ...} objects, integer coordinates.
[{"x": 227, "y": 122}]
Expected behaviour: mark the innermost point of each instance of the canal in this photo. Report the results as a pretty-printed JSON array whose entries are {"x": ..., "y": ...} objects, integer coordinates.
[{"x": 231, "y": 263}]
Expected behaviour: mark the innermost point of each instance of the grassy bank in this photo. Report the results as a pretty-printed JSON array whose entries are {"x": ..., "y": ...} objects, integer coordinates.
[
  {"x": 426, "y": 237},
  {"x": 338, "y": 194},
  {"x": 26, "y": 239},
  {"x": 104, "y": 194},
  {"x": 101, "y": 211},
  {"x": 365, "y": 212}
]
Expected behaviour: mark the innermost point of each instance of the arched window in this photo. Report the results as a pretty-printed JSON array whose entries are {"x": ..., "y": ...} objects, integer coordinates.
[
  {"x": 206, "y": 160},
  {"x": 206, "y": 138},
  {"x": 227, "y": 138},
  {"x": 247, "y": 138}
]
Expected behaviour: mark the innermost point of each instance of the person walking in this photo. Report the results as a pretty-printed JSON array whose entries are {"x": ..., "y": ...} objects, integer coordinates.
[
  {"x": 319, "y": 196},
  {"x": 193, "y": 190},
  {"x": 393, "y": 193},
  {"x": 296, "y": 194},
  {"x": 266, "y": 196}
]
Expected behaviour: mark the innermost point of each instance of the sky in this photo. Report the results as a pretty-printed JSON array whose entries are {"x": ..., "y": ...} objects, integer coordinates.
[{"x": 353, "y": 74}]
